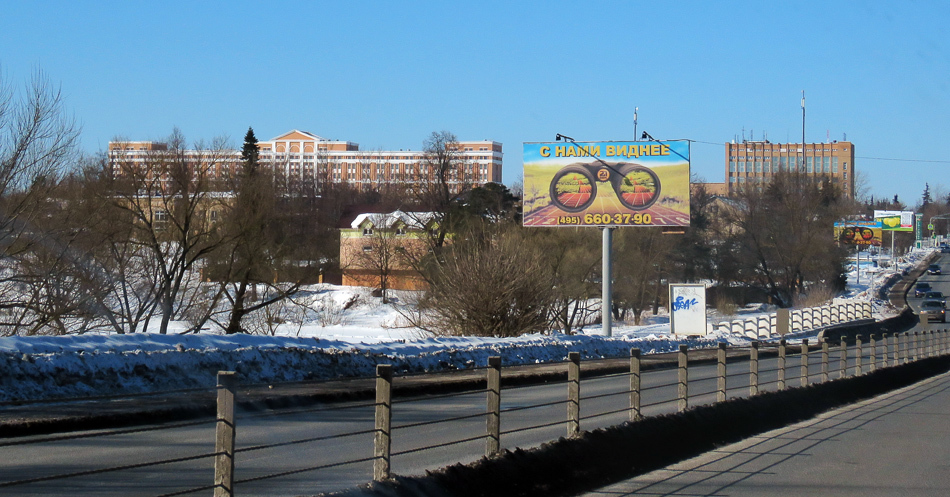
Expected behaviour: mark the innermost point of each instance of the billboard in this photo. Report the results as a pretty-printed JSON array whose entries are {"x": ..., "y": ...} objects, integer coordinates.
[
  {"x": 895, "y": 220},
  {"x": 606, "y": 183},
  {"x": 688, "y": 309},
  {"x": 859, "y": 232}
]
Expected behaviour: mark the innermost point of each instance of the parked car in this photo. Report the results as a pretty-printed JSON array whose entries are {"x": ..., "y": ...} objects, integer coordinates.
[
  {"x": 922, "y": 288},
  {"x": 945, "y": 250},
  {"x": 933, "y": 269},
  {"x": 932, "y": 310}
]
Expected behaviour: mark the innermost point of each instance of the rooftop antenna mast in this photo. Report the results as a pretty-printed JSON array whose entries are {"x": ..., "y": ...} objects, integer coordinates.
[
  {"x": 803, "y": 130},
  {"x": 635, "y": 110}
]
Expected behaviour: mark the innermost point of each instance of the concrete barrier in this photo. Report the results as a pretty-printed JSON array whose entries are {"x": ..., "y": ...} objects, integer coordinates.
[{"x": 866, "y": 327}]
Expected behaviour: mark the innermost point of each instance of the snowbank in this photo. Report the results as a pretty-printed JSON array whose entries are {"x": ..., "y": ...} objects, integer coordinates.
[{"x": 349, "y": 345}]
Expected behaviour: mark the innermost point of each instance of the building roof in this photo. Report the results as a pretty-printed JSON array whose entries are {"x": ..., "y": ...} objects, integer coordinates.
[
  {"x": 296, "y": 134},
  {"x": 384, "y": 220}
]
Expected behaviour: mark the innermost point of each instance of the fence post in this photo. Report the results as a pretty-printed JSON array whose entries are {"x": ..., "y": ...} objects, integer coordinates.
[
  {"x": 908, "y": 347},
  {"x": 930, "y": 343},
  {"x": 804, "y": 358},
  {"x": 493, "y": 401},
  {"x": 916, "y": 342},
  {"x": 781, "y": 364},
  {"x": 884, "y": 356},
  {"x": 754, "y": 368},
  {"x": 843, "y": 372},
  {"x": 224, "y": 436},
  {"x": 573, "y": 394},
  {"x": 635, "y": 414},
  {"x": 873, "y": 357},
  {"x": 897, "y": 350},
  {"x": 858, "y": 356},
  {"x": 906, "y": 353},
  {"x": 824, "y": 360},
  {"x": 384, "y": 416},
  {"x": 683, "y": 388},
  {"x": 721, "y": 373}
]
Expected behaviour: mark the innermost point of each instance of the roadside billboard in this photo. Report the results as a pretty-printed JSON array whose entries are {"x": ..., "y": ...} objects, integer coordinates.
[
  {"x": 688, "y": 309},
  {"x": 859, "y": 233},
  {"x": 895, "y": 220},
  {"x": 606, "y": 183}
]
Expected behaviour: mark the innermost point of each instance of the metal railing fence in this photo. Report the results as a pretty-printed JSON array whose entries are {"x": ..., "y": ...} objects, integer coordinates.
[{"x": 612, "y": 398}]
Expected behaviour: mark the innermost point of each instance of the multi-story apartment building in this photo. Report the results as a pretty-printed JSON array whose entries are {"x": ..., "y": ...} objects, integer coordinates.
[
  {"x": 751, "y": 163},
  {"x": 299, "y": 156}
]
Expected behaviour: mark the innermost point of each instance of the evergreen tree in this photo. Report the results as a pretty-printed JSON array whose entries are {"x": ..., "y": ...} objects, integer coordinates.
[
  {"x": 250, "y": 153},
  {"x": 926, "y": 199}
]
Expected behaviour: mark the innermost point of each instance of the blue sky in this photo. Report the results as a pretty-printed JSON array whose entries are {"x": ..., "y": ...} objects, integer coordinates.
[{"x": 387, "y": 74}]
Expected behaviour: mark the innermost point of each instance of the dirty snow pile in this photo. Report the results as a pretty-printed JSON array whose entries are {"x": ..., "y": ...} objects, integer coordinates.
[{"x": 345, "y": 341}]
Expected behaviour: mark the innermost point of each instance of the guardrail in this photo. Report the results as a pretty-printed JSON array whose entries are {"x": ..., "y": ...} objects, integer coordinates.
[
  {"x": 730, "y": 379},
  {"x": 796, "y": 320}
]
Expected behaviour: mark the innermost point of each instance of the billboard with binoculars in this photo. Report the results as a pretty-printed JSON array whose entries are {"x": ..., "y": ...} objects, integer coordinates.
[{"x": 606, "y": 183}]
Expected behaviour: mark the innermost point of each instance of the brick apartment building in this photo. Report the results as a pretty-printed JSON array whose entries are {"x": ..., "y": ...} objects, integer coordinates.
[{"x": 300, "y": 156}]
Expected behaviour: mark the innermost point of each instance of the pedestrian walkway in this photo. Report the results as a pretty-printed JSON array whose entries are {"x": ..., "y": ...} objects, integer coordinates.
[{"x": 895, "y": 444}]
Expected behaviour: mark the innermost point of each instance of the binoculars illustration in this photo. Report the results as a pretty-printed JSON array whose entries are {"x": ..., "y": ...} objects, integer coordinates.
[{"x": 574, "y": 187}]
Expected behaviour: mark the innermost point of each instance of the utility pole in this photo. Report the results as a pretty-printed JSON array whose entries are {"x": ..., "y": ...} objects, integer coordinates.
[{"x": 803, "y": 131}]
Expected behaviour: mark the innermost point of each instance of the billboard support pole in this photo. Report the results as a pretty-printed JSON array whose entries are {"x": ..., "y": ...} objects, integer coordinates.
[
  {"x": 857, "y": 258},
  {"x": 607, "y": 292},
  {"x": 893, "y": 259}
]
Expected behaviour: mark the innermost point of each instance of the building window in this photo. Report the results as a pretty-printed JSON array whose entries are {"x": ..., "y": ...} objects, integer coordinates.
[{"x": 367, "y": 231}]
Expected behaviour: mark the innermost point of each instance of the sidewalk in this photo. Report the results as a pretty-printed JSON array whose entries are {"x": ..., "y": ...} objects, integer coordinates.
[{"x": 895, "y": 444}]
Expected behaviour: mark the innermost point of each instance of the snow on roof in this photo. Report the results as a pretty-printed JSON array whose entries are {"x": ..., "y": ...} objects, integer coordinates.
[{"x": 415, "y": 220}]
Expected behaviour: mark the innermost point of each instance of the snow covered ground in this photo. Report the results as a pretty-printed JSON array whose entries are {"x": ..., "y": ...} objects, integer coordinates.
[{"x": 345, "y": 332}]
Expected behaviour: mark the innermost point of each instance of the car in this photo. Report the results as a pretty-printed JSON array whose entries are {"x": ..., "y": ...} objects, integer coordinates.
[
  {"x": 922, "y": 288},
  {"x": 935, "y": 296},
  {"x": 932, "y": 310},
  {"x": 933, "y": 269},
  {"x": 945, "y": 250}
]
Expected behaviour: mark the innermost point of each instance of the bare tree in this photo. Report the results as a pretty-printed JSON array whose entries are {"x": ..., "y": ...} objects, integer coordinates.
[
  {"x": 379, "y": 255},
  {"x": 495, "y": 284},
  {"x": 644, "y": 254},
  {"x": 168, "y": 198},
  {"x": 783, "y": 240},
  {"x": 572, "y": 258},
  {"x": 37, "y": 145},
  {"x": 441, "y": 181},
  {"x": 254, "y": 248}
]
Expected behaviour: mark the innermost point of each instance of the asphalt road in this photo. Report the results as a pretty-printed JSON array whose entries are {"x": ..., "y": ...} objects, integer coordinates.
[
  {"x": 894, "y": 444},
  {"x": 599, "y": 395}
]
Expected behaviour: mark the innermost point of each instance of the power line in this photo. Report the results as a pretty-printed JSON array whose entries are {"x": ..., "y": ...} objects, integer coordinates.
[{"x": 905, "y": 160}]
